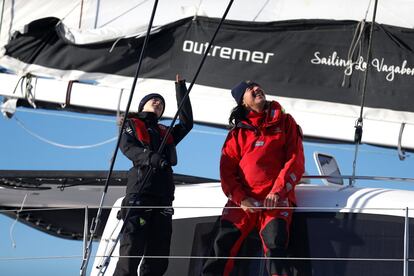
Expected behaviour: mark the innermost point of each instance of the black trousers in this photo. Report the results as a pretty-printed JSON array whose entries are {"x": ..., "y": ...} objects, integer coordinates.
[
  {"x": 274, "y": 236},
  {"x": 147, "y": 232}
]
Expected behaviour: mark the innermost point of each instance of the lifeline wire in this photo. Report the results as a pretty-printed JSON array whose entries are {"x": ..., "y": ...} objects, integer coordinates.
[
  {"x": 96, "y": 222},
  {"x": 50, "y": 142},
  {"x": 209, "y": 132}
]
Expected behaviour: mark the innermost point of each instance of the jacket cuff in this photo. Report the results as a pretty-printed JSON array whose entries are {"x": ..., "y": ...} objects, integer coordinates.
[{"x": 280, "y": 188}]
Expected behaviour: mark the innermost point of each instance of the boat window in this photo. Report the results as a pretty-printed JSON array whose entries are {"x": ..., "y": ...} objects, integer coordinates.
[{"x": 327, "y": 166}]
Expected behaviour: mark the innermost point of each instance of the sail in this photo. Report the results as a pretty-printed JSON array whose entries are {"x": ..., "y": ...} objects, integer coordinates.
[{"x": 312, "y": 65}]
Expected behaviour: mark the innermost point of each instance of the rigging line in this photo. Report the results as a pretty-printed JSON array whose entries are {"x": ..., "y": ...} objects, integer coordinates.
[
  {"x": 20, "y": 123},
  {"x": 183, "y": 100},
  {"x": 368, "y": 60},
  {"x": 163, "y": 143},
  {"x": 96, "y": 222},
  {"x": 359, "y": 122},
  {"x": 215, "y": 133},
  {"x": 64, "y": 17},
  {"x": 209, "y": 132},
  {"x": 46, "y": 258},
  {"x": 221, "y": 207},
  {"x": 255, "y": 258},
  {"x": 28, "y": 92},
  {"x": 401, "y": 153},
  {"x": 355, "y": 40},
  {"x": 46, "y": 113},
  {"x": 346, "y": 148},
  {"x": 1, "y": 17},
  {"x": 354, "y": 43},
  {"x": 17, "y": 84},
  {"x": 367, "y": 10},
  {"x": 80, "y": 15},
  {"x": 123, "y": 13},
  {"x": 15, "y": 221},
  {"x": 261, "y": 10},
  {"x": 98, "y": 7}
]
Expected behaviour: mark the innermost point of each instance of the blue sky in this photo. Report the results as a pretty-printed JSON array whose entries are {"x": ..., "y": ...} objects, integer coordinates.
[{"x": 199, "y": 155}]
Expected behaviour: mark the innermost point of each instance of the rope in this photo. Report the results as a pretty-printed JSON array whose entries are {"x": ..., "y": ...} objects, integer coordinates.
[
  {"x": 50, "y": 142},
  {"x": 355, "y": 40},
  {"x": 15, "y": 221}
]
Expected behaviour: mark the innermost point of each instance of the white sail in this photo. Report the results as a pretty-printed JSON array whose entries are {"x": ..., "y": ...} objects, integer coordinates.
[{"x": 321, "y": 113}]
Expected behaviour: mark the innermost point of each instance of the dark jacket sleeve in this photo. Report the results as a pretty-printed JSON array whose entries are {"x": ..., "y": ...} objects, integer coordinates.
[
  {"x": 132, "y": 148},
  {"x": 186, "y": 113}
]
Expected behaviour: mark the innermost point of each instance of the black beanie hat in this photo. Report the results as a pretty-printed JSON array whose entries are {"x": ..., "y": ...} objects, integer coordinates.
[
  {"x": 148, "y": 97},
  {"x": 238, "y": 91}
]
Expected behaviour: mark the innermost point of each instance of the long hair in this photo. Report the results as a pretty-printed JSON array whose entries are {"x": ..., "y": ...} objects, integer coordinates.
[{"x": 238, "y": 113}]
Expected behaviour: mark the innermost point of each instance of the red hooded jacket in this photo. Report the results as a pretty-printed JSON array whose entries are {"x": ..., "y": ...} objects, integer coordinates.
[{"x": 262, "y": 155}]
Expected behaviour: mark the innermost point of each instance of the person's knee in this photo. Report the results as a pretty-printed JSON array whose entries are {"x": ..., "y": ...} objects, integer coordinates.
[
  {"x": 226, "y": 238},
  {"x": 154, "y": 267},
  {"x": 275, "y": 235}
]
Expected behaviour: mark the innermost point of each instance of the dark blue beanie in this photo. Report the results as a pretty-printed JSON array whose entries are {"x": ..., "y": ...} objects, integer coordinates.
[
  {"x": 148, "y": 97},
  {"x": 238, "y": 91}
]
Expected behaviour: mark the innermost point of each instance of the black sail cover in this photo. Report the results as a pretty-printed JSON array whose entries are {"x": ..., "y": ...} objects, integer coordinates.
[{"x": 320, "y": 60}]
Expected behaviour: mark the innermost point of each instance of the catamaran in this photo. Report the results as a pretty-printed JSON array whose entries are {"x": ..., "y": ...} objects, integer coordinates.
[{"x": 344, "y": 70}]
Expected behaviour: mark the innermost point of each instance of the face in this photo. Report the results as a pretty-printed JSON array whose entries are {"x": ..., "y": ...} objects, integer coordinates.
[
  {"x": 254, "y": 98},
  {"x": 154, "y": 105}
]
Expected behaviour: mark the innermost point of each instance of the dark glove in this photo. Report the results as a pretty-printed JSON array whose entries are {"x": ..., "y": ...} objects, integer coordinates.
[{"x": 158, "y": 161}]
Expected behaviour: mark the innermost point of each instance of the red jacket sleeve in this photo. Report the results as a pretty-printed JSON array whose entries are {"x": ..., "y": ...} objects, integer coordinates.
[
  {"x": 229, "y": 169},
  {"x": 294, "y": 166}
]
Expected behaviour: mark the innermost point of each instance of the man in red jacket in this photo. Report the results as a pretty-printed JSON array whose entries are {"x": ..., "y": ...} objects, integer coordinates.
[{"x": 262, "y": 160}]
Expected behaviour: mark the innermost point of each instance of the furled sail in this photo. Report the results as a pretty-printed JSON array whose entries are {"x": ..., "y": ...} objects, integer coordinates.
[{"x": 313, "y": 67}]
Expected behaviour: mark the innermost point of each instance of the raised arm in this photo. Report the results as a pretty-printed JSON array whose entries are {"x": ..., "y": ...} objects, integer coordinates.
[{"x": 186, "y": 113}]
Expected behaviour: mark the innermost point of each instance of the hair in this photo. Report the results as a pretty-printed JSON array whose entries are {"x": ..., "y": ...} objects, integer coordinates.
[{"x": 238, "y": 113}]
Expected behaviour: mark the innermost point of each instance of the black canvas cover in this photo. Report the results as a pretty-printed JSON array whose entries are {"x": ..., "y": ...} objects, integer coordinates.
[{"x": 304, "y": 59}]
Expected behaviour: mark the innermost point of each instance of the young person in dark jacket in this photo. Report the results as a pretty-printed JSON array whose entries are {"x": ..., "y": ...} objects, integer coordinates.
[
  {"x": 261, "y": 162},
  {"x": 148, "y": 230}
]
